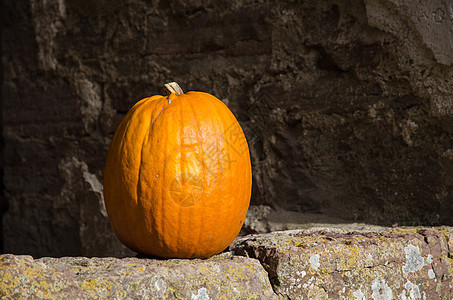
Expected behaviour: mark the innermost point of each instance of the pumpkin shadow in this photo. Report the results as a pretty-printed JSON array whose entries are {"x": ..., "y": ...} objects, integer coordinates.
[{"x": 145, "y": 256}]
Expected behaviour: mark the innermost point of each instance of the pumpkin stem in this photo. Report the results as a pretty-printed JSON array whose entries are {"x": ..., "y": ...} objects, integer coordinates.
[{"x": 173, "y": 88}]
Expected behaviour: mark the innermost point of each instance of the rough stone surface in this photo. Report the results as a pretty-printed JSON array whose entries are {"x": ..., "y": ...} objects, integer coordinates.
[
  {"x": 347, "y": 107},
  {"x": 368, "y": 263},
  {"x": 317, "y": 263},
  {"x": 221, "y": 277}
]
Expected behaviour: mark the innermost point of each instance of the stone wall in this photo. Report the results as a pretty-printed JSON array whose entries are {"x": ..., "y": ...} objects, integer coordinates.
[
  {"x": 375, "y": 263},
  {"x": 347, "y": 107}
]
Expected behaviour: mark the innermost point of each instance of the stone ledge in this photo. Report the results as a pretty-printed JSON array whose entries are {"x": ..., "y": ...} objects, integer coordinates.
[
  {"x": 317, "y": 263},
  {"x": 221, "y": 277},
  {"x": 332, "y": 263}
]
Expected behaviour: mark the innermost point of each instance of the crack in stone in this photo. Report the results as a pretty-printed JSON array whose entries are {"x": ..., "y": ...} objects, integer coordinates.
[{"x": 267, "y": 258}]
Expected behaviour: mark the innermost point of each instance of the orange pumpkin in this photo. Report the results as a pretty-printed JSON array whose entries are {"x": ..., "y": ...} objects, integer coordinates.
[{"x": 177, "y": 179}]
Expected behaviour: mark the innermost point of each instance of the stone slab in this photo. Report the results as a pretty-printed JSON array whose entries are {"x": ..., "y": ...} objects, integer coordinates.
[
  {"x": 332, "y": 263},
  {"x": 221, "y": 277}
]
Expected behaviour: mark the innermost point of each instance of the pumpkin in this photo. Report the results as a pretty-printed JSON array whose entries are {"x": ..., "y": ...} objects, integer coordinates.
[{"x": 177, "y": 178}]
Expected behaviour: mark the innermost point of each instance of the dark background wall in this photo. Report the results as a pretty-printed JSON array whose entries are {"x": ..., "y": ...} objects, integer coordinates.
[
  {"x": 3, "y": 202},
  {"x": 347, "y": 107}
]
